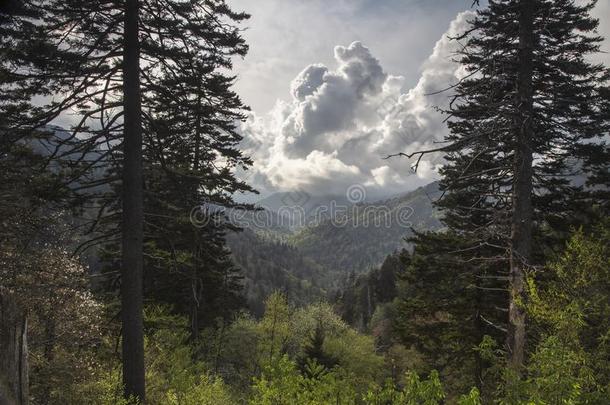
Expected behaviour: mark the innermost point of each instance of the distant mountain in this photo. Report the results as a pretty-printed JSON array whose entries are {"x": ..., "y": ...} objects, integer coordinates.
[
  {"x": 302, "y": 199},
  {"x": 265, "y": 223},
  {"x": 299, "y": 209},
  {"x": 363, "y": 236},
  {"x": 309, "y": 262}
]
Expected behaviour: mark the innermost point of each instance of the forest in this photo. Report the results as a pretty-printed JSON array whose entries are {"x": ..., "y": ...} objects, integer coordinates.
[{"x": 126, "y": 279}]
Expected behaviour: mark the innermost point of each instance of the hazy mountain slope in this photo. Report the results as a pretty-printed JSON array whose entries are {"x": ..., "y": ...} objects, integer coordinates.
[
  {"x": 293, "y": 199},
  {"x": 270, "y": 265},
  {"x": 308, "y": 263},
  {"x": 298, "y": 209},
  {"x": 266, "y": 223},
  {"x": 369, "y": 232}
]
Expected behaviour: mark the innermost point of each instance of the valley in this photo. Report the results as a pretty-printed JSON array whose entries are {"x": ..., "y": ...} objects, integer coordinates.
[{"x": 315, "y": 261}]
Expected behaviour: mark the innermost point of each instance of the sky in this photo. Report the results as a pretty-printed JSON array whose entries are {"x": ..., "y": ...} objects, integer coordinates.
[
  {"x": 287, "y": 35},
  {"x": 335, "y": 86}
]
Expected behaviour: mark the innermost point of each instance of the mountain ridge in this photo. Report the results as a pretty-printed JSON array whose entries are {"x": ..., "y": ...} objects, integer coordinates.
[{"x": 324, "y": 253}]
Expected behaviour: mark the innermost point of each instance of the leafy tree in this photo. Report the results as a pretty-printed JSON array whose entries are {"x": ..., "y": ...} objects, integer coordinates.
[
  {"x": 416, "y": 391},
  {"x": 571, "y": 307},
  {"x": 567, "y": 304},
  {"x": 281, "y": 383},
  {"x": 64, "y": 320},
  {"x": 234, "y": 354},
  {"x": 275, "y": 327}
]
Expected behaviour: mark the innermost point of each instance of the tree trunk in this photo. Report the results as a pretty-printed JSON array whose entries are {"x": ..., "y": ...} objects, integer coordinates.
[
  {"x": 194, "y": 306},
  {"x": 196, "y": 231},
  {"x": 49, "y": 355},
  {"x": 13, "y": 352},
  {"x": 521, "y": 226},
  {"x": 478, "y": 330},
  {"x": 133, "y": 216}
]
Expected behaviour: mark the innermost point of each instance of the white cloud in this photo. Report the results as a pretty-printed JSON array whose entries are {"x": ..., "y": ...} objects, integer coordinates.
[
  {"x": 342, "y": 122},
  {"x": 286, "y": 35},
  {"x": 345, "y": 115}
]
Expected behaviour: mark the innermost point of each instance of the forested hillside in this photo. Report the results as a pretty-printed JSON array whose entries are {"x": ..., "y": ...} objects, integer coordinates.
[
  {"x": 270, "y": 265},
  {"x": 370, "y": 231},
  {"x": 313, "y": 262}
]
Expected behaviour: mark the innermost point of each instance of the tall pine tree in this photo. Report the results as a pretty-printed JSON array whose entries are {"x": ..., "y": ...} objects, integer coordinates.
[
  {"x": 124, "y": 68},
  {"x": 526, "y": 146}
]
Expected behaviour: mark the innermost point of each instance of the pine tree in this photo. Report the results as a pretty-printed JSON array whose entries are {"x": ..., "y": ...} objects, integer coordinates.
[
  {"x": 525, "y": 95},
  {"x": 124, "y": 68},
  {"x": 186, "y": 266},
  {"x": 448, "y": 300},
  {"x": 195, "y": 114},
  {"x": 313, "y": 352}
]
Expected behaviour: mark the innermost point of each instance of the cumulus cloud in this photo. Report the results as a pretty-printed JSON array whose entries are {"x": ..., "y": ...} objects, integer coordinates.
[
  {"x": 287, "y": 35},
  {"x": 342, "y": 122}
]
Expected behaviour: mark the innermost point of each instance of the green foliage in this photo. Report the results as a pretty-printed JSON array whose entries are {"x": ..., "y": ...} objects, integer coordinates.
[
  {"x": 415, "y": 392},
  {"x": 269, "y": 265},
  {"x": 281, "y": 383},
  {"x": 174, "y": 376},
  {"x": 571, "y": 305},
  {"x": 275, "y": 328},
  {"x": 65, "y": 320},
  {"x": 558, "y": 373},
  {"x": 472, "y": 398},
  {"x": 105, "y": 389},
  {"x": 314, "y": 353},
  {"x": 427, "y": 392},
  {"x": 568, "y": 305},
  {"x": 235, "y": 353},
  {"x": 206, "y": 391},
  {"x": 309, "y": 318},
  {"x": 250, "y": 346},
  {"x": 356, "y": 353}
]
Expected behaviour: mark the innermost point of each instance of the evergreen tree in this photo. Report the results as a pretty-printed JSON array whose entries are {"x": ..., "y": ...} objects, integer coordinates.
[
  {"x": 314, "y": 352},
  {"x": 117, "y": 65},
  {"x": 188, "y": 266},
  {"x": 448, "y": 300},
  {"x": 494, "y": 133},
  {"x": 360, "y": 297}
]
